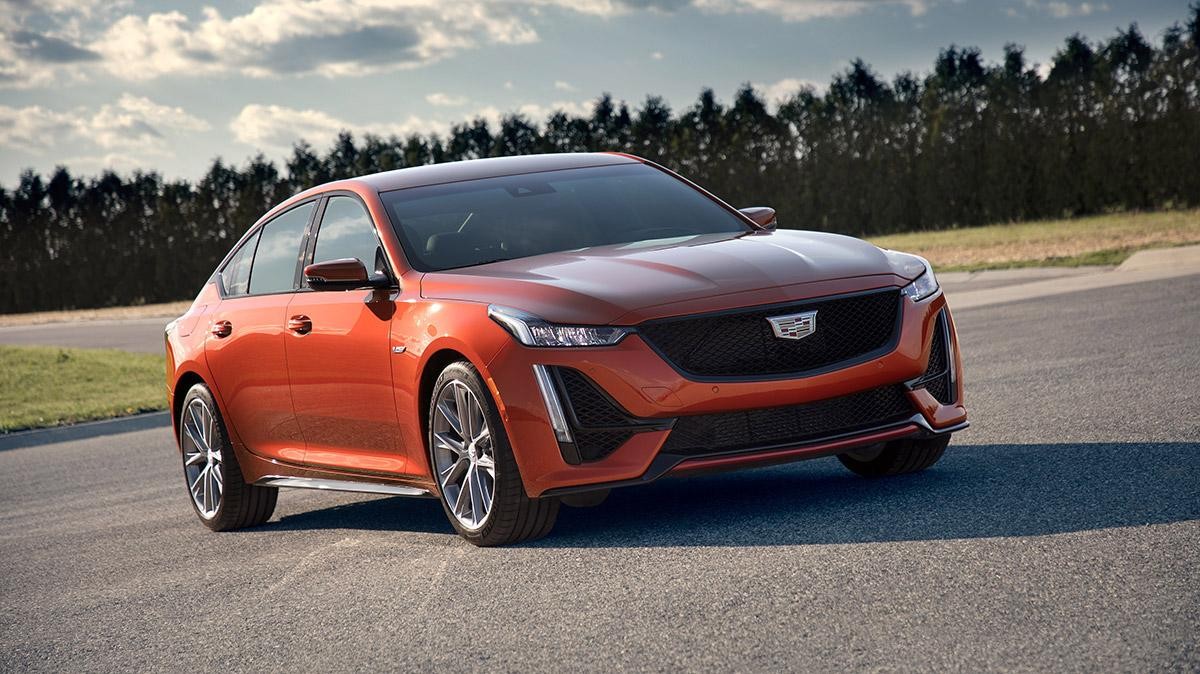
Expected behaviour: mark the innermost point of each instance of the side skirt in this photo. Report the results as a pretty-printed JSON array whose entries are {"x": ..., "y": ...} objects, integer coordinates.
[{"x": 342, "y": 485}]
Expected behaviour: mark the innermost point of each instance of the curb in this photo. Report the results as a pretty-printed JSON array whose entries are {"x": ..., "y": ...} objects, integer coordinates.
[{"x": 87, "y": 429}]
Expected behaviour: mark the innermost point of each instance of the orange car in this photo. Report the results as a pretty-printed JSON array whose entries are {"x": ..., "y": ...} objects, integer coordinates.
[{"x": 512, "y": 334}]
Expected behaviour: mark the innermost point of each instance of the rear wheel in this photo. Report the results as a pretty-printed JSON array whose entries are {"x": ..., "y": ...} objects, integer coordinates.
[
  {"x": 896, "y": 457},
  {"x": 220, "y": 496},
  {"x": 480, "y": 485}
]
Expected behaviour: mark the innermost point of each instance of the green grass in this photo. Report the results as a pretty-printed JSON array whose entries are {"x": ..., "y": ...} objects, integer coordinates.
[
  {"x": 44, "y": 386},
  {"x": 1098, "y": 240}
]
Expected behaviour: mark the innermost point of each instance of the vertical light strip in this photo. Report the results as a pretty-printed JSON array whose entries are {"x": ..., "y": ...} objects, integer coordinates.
[
  {"x": 558, "y": 420},
  {"x": 950, "y": 346}
]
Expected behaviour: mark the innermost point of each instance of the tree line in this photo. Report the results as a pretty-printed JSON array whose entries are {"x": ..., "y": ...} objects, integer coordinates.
[{"x": 1113, "y": 125}]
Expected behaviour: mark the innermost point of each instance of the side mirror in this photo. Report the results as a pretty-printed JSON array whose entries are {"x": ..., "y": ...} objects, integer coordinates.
[
  {"x": 344, "y": 274},
  {"x": 763, "y": 216}
]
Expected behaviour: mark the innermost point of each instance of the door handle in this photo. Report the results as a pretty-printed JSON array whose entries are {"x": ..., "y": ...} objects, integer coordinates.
[
  {"x": 301, "y": 324},
  {"x": 221, "y": 328}
]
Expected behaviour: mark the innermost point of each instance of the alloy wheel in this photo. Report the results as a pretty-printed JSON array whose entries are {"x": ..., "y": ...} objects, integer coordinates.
[
  {"x": 463, "y": 455},
  {"x": 202, "y": 461}
]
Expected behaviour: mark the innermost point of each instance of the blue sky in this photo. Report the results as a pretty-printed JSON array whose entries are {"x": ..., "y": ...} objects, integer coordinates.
[{"x": 121, "y": 84}]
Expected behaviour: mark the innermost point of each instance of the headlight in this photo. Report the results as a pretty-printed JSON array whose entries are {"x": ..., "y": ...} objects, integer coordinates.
[
  {"x": 925, "y": 284},
  {"x": 531, "y": 330}
]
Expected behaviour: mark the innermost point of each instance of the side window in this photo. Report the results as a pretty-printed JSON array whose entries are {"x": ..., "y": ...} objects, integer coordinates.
[
  {"x": 235, "y": 277},
  {"x": 346, "y": 231},
  {"x": 278, "y": 252}
]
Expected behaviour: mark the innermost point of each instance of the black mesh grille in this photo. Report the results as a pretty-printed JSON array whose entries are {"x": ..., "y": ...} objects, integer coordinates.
[
  {"x": 594, "y": 445},
  {"x": 592, "y": 408},
  {"x": 743, "y": 344},
  {"x": 797, "y": 424},
  {"x": 593, "y": 411},
  {"x": 941, "y": 387}
]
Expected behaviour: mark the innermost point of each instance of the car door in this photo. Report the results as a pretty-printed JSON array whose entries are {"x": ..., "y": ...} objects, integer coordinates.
[
  {"x": 339, "y": 354},
  {"x": 245, "y": 350}
]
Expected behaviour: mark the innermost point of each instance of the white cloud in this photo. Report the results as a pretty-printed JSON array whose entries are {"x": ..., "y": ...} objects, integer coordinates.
[
  {"x": 33, "y": 128},
  {"x": 443, "y": 99},
  {"x": 110, "y": 161},
  {"x": 1062, "y": 10},
  {"x": 295, "y": 37},
  {"x": 777, "y": 92},
  {"x": 332, "y": 38},
  {"x": 278, "y": 127},
  {"x": 564, "y": 86},
  {"x": 805, "y": 10},
  {"x": 133, "y": 126},
  {"x": 656, "y": 55},
  {"x": 137, "y": 124}
]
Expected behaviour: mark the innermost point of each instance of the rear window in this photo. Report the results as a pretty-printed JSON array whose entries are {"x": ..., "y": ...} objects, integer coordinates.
[
  {"x": 235, "y": 277},
  {"x": 479, "y": 221}
]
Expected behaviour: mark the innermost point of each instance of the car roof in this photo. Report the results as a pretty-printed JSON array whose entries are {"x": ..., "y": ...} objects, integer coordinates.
[{"x": 474, "y": 169}]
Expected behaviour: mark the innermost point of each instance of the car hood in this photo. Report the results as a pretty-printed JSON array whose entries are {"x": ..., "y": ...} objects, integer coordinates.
[{"x": 603, "y": 284}]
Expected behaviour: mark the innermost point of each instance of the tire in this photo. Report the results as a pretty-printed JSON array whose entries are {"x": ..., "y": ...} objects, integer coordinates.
[
  {"x": 896, "y": 457},
  {"x": 237, "y": 504},
  {"x": 461, "y": 455}
]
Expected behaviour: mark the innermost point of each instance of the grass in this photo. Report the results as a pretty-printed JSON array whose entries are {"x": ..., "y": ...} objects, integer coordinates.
[
  {"x": 1097, "y": 240},
  {"x": 44, "y": 386}
]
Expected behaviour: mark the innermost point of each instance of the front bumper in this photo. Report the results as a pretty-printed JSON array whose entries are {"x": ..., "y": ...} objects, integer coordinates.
[{"x": 653, "y": 393}]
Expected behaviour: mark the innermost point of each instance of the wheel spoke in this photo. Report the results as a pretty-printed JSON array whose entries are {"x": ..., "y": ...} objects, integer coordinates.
[
  {"x": 196, "y": 483},
  {"x": 463, "y": 403},
  {"x": 216, "y": 473},
  {"x": 487, "y": 464},
  {"x": 453, "y": 473},
  {"x": 204, "y": 486},
  {"x": 209, "y": 430},
  {"x": 463, "y": 501},
  {"x": 192, "y": 433},
  {"x": 451, "y": 416},
  {"x": 483, "y": 434},
  {"x": 485, "y": 491},
  {"x": 448, "y": 442},
  {"x": 477, "y": 511},
  {"x": 192, "y": 458},
  {"x": 196, "y": 432}
]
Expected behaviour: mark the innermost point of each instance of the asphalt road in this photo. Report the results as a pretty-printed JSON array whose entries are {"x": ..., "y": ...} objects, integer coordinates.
[
  {"x": 143, "y": 335},
  {"x": 1061, "y": 532}
]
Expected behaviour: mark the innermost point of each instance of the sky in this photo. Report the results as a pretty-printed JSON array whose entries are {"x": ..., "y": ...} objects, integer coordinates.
[{"x": 125, "y": 84}]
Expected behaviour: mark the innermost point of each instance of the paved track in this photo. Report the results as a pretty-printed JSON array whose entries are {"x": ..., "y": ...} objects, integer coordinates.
[
  {"x": 143, "y": 335},
  {"x": 1062, "y": 532}
]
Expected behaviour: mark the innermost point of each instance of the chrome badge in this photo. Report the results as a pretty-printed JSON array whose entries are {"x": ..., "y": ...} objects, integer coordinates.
[{"x": 794, "y": 326}]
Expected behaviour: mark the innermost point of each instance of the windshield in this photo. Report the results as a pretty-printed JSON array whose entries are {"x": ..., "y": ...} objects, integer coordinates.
[{"x": 479, "y": 221}]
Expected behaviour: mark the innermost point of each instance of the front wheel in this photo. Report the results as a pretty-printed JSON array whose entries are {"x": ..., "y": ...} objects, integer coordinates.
[
  {"x": 896, "y": 457},
  {"x": 478, "y": 480}
]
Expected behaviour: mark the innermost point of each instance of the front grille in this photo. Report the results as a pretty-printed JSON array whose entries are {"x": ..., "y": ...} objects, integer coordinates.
[
  {"x": 742, "y": 344},
  {"x": 937, "y": 373},
  {"x": 783, "y": 426}
]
